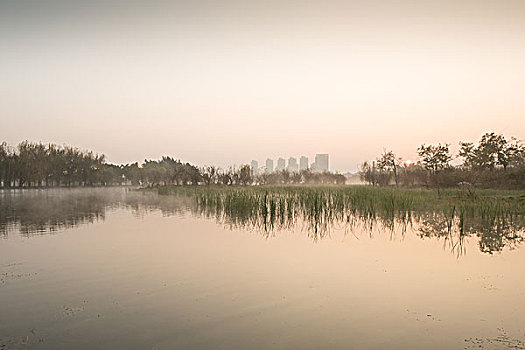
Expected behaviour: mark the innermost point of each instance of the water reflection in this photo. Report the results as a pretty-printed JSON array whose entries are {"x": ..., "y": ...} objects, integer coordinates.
[
  {"x": 493, "y": 235},
  {"x": 38, "y": 212}
]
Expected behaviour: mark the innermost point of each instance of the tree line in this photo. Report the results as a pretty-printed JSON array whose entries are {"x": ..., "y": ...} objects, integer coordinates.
[
  {"x": 49, "y": 165},
  {"x": 493, "y": 162}
]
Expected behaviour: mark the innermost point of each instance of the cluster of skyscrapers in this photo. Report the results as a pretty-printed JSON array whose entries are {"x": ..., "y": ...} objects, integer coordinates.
[{"x": 319, "y": 165}]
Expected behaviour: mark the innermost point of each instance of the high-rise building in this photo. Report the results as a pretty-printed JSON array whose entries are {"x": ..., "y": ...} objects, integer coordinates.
[
  {"x": 269, "y": 165},
  {"x": 303, "y": 163},
  {"x": 321, "y": 162},
  {"x": 255, "y": 167},
  {"x": 281, "y": 164},
  {"x": 292, "y": 165}
]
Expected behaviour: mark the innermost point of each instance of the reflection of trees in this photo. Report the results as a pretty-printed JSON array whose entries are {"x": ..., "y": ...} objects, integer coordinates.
[
  {"x": 36, "y": 212},
  {"x": 497, "y": 235},
  {"x": 494, "y": 233}
]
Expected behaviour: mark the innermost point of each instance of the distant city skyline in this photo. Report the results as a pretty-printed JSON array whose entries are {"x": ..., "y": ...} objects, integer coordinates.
[{"x": 320, "y": 164}]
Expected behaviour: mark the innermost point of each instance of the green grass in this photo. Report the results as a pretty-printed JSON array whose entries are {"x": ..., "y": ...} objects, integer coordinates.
[
  {"x": 365, "y": 200},
  {"x": 271, "y": 207}
]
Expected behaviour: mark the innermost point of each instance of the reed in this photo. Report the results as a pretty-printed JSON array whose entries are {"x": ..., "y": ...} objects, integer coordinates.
[{"x": 279, "y": 207}]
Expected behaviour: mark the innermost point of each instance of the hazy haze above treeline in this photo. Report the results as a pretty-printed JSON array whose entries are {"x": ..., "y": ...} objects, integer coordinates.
[{"x": 226, "y": 82}]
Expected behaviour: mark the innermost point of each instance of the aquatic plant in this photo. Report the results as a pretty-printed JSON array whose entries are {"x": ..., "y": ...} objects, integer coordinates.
[{"x": 267, "y": 208}]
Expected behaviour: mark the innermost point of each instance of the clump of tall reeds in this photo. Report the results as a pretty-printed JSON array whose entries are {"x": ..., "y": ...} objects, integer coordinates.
[{"x": 276, "y": 207}]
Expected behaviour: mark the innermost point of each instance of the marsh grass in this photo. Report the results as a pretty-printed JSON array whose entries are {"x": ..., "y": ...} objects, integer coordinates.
[{"x": 497, "y": 217}]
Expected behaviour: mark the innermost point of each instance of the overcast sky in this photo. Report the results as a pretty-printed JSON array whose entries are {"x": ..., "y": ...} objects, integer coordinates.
[{"x": 224, "y": 82}]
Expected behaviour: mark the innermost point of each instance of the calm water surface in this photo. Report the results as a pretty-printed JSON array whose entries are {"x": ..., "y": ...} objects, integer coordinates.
[{"x": 110, "y": 268}]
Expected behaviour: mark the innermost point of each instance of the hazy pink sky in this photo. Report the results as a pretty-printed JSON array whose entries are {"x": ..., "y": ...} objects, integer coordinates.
[{"x": 224, "y": 82}]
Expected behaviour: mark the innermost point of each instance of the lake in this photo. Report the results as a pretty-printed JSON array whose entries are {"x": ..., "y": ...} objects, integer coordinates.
[{"x": 116, "y": 268}]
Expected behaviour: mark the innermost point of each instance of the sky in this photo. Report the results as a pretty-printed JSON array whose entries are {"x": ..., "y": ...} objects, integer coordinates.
[{"x": 225, "y": 82}]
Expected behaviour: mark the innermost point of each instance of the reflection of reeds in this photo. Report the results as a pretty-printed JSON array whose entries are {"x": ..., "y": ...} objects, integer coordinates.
[{"x": 496, "y": 217}]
